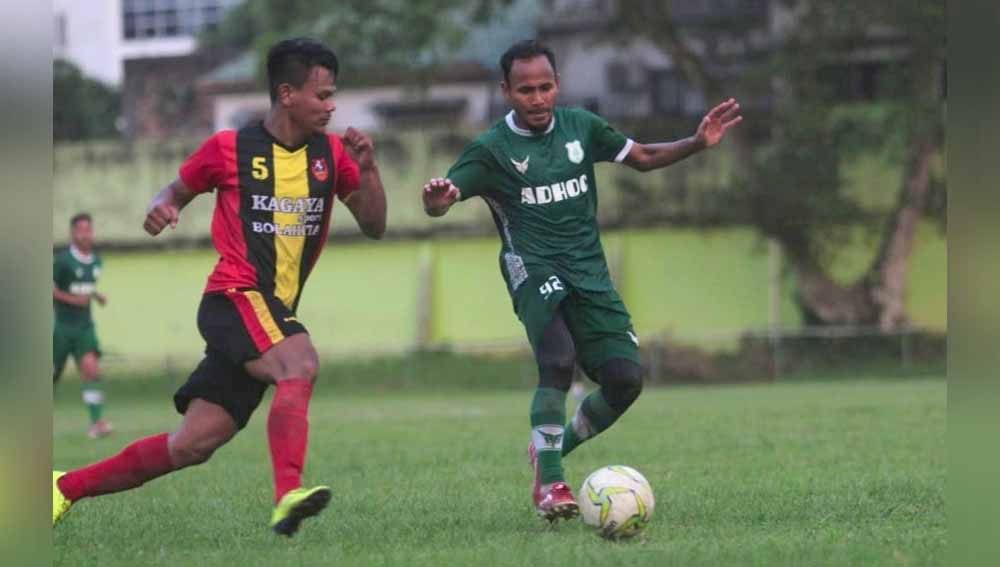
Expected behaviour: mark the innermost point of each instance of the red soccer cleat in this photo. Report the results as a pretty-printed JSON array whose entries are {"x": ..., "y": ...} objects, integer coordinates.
[{"x": 552, "y": 501}]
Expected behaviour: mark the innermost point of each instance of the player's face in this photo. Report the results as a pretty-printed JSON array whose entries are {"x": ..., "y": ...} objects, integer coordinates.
[
  {"x": 82, "y": 235},
  {"x": 531, "y": 91},
  {"x": 312, "y": 104}
]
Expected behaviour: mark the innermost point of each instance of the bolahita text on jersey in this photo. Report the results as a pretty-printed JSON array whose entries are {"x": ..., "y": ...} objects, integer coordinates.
[{"x": 555, "y": 192}]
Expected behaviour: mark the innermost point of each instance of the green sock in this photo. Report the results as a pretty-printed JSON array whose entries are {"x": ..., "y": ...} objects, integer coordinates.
[
  {"x": 548, "y": 413},
  {"x": 592, "y": 416},
  {"x": 93, "y": 398}
]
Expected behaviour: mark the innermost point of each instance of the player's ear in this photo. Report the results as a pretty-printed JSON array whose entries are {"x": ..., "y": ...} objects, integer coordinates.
[{"x": 285, "y": 93}]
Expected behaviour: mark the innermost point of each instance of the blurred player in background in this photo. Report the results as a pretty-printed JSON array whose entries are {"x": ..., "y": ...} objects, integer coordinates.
[
  {"x": 535, "y": 170},
  {"x": 275, "y": 184},
  {"x": 74, "y": 275}
]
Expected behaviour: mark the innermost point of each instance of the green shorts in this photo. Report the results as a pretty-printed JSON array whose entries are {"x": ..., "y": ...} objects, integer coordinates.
[
  {"x": 76, "y": 340},
  {"x": 598, "y": 321}
]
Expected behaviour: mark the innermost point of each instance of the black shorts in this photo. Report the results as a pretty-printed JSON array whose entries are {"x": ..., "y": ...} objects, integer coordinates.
[{"x": 238, "y": 326}]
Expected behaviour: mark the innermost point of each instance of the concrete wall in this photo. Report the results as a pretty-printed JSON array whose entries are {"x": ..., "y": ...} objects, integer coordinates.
[{"x": 356, "y": 107}]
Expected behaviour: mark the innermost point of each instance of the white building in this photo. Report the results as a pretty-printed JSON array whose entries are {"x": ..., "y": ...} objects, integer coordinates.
[{"x": 99, "y": 35}]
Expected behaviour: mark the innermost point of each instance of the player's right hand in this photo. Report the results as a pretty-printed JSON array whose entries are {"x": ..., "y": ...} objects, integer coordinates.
[
  {"x": 439, "y": 194},
  {"x": 159, "y": 216}
]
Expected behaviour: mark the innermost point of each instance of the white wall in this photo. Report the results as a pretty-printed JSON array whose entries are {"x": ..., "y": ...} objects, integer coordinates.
[
  {"x": 95, "y": 42},
  {"x": 356, "y": 107},
  {"x": 91, "y": 40}
]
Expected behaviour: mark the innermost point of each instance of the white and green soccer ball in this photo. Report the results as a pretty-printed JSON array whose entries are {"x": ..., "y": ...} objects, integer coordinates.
[{"x": 617, "y": 501}]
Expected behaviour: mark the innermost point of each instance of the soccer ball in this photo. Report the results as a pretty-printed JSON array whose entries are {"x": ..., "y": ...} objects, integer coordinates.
[{"x": 617, "y": 501}]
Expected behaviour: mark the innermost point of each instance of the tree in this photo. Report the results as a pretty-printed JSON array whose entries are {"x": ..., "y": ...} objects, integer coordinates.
[
  {"x": 82, "y": 108},
  {"x": 794, "y": 189},
  {"x": 397, "y": 36}
]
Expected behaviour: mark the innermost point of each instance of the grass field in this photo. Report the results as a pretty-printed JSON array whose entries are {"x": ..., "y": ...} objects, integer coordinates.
[{"x": 815, "y": 472}]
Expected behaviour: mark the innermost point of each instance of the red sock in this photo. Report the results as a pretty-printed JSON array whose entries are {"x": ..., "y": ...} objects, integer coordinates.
[
  {"x": 138, "y": 463},
  {"x": 288, "y": 433}
]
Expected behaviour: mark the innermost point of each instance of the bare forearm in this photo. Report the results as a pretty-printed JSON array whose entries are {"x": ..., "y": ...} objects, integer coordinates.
[
  {"x": 75, "y": 299},
  {"x": 372, "y": 208},
  {"x": 174, "y": 194},
  {"x": 655, "y": 156}
]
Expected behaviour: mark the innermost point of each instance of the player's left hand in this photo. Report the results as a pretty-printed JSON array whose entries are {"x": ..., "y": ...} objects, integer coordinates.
[
  {"x": 360, "y": 148},
  {"x": 718, "y": 120},
  {"x": 101, "y": 299}
]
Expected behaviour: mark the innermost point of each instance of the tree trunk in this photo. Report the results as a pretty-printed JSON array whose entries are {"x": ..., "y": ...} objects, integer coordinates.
[
  {"x": 824, "y": 301},
  {"x": 887, "y": 279},
  {"x": 879, "y": 297}
]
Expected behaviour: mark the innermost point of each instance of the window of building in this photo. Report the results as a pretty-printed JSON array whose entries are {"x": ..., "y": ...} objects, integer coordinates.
[
  {"x": 668, "y": 91},
  {"x": 171, "y": 18}
]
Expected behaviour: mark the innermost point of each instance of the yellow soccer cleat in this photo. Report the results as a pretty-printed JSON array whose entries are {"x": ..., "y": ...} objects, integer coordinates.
[
  {"x": 296, "y": 506},
  {"x": 60, "y": 504}
]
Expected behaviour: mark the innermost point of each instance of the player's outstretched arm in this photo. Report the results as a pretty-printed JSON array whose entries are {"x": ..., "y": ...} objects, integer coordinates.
[
  {"x": 439, "y": 195},
  {"x": 367, "y": 204},
  {"x": 165, "y": 208},
  {"x": 76, "y": 299},
  {"x": 711, "y": 130}
]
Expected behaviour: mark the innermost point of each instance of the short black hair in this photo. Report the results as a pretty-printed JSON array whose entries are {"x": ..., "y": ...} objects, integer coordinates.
[
  {"x": 80, "y": 217},
  {"x": 525, "y": 49},
  {"x": 290, "y": 60}
]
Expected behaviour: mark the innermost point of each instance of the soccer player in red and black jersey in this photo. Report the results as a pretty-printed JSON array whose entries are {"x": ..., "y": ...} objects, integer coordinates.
[{"x": 275, "y": 183}]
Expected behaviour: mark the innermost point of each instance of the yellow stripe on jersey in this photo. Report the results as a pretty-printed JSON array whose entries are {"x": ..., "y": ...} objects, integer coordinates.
[
  {"x": 291, "y": 183},
  {"x": 264, "y": 316}
]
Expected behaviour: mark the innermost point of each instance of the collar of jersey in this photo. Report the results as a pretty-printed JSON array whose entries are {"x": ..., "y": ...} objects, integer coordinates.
[
  {"x": 278, "y": 143},
  {"x": 522, "y": 132},
  {"x": 80, "y": 256}
]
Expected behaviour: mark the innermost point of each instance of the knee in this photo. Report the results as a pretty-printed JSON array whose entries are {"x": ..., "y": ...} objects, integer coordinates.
[
  {"x": 308, "y": 368},
  {"x": 305, "y": 368},
  {"x": 622, "y": 383},
  {"x": 186, "y": 453},
  {"x": 556, "y": 371},
  {"x": 90, "y": 370}
]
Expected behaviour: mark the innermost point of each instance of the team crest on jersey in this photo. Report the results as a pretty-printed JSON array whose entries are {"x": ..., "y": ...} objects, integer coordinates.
[
  {"x": 79, "y": 272},
  {"x": 574, "y": 150},
  {"x": 520, "y": 166},
  {"x": 319, "y": 169}
]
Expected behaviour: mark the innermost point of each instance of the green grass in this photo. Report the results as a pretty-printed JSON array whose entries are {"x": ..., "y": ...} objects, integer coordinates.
[{"x": 804, "y": 473}]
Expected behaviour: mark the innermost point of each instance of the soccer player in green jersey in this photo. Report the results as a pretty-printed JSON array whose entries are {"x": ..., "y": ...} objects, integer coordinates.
[
  {"x": 74, "y": 273},
  {"x": 535, "y": 170}
]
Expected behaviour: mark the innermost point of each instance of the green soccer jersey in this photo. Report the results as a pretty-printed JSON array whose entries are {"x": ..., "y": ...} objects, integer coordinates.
[
  {"x": 75, "y": 272},
  {"x": 542, "y": 193}
]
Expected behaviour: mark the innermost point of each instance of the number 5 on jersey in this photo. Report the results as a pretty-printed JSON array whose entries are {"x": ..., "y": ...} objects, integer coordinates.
[
  {"x": 551, "y": 285},
  {"x": 259, "y": 165}
]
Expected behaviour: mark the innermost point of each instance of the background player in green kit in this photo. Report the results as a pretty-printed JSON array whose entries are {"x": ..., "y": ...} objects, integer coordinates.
[
  {"x": 74, "y": 273},
  {"x": 535, "y": 170}
]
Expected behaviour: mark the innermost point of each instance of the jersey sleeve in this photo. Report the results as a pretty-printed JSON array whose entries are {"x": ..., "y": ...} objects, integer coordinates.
[
  {"x": 204, "y": 170},
  {"x": 471, "y": 171},
  {"x": 348, "y": 173},
  {"x": 59, "y": 272},
  {"x": 606, "y": 143}
]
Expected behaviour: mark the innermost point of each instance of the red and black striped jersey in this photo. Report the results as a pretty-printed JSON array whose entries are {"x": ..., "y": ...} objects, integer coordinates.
[{"x": 273, "y": 205}]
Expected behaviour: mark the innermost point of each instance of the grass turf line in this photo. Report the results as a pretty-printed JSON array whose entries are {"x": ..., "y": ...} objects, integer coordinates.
[{"x": 831, "y": 473}]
